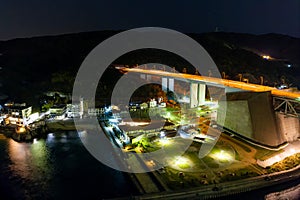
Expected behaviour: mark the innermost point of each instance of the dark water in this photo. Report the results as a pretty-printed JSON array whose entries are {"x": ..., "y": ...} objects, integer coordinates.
[{"x": 57, "y": 167}]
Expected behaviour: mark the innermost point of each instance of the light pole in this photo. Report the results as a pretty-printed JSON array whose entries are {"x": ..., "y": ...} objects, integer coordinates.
[
  {"x": 209, "y": 73},
  {"x": 224, "y": 75},
  {"x": 246, "y": 80},
  {"x": 261, "y": 80},
  {"x": 174, "y": 70},
  {"x": 240, "y": 77}
]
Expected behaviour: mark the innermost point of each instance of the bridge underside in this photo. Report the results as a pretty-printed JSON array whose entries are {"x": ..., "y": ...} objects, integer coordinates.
[{"x": 252, "y": 115}]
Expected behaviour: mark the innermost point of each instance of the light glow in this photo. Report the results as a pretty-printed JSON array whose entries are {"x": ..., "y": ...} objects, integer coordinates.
[
  {"x": 168, "y": 114},
  {"x": 164, "y": 141},
  {"x": 181, "y": 163},
  {"x": 162, "y": 134},
  {"x": 180, "y": 160},
  {"x": 21, "y": 130},
  {"x": 150, "y": 163},
  {"x": 289, "y": 150},
  {"x": 266, "y": 57},
  {"x": 134, "y": 123},
  {"x": 222, "y": 156}
]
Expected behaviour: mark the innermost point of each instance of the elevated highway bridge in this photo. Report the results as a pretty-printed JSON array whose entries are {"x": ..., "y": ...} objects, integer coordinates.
[
  {"x": 283, "y": 100},
  {"x": 217, "y": 82},
  {"x": 263, "y": 114}
]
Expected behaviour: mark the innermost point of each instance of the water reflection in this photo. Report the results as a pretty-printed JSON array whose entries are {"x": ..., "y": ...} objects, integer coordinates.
[
  {"x": 19, "y": 154},
  {"x": 30, "y": 166},
  {"x": 57, "y": 167},
  {"x": 28, "y": 158}
]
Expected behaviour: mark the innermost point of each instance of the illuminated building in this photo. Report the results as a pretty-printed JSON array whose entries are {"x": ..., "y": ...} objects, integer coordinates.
[
  {"x": 58, "y": 111},
  {"x": 18, "y": 114}
]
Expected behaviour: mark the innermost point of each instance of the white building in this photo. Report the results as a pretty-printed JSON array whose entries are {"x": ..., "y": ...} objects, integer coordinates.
[
  {"x": 153, "y": 103},
  {"x": 18, "y": 114}
]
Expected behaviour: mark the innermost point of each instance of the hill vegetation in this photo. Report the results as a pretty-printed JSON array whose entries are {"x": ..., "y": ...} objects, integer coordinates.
[{"x": 31, "y": 66}]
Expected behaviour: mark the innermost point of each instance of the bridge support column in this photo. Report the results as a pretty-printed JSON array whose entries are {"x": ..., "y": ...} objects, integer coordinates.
[
  {"x": 149, "y": 77},
  {"x": 146, "y": 77},
  {"x": 201, "y": 93},
  {"x": 164, "y": 84},
  {"x": 167, "y": 84},
  {"x": 171, "y": 84},
  {"x": 197, "y": 94}
]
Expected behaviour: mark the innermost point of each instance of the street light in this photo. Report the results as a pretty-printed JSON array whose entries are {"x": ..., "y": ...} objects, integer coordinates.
[
  {"x": 209, "y": 73},
  {"x": 240, "y": 77},
  {"x": 261, "y": 80},
  {"x": 224, "y": 75},
  {"x": 246, "y": 80}
]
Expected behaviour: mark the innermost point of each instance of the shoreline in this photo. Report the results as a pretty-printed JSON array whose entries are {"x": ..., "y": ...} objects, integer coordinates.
[{"x": 210, "y": 191}]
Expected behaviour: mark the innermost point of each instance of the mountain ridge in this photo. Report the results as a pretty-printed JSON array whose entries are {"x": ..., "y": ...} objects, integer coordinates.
[{"x": 31, "y": 64}]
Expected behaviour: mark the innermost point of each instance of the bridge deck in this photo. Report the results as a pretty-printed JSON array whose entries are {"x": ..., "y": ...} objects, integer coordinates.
[{"x": 217, "y": 81}]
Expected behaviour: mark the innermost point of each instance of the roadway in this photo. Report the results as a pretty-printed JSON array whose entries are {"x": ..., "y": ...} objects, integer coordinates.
[{"x": 217, "y": 81}]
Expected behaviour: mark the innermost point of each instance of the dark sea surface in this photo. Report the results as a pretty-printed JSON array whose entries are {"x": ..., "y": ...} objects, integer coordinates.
[{"x": 57, "y": 167}]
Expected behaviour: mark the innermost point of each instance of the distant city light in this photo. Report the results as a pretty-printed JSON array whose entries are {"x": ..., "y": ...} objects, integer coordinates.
[{"x": 266, "y": 57}]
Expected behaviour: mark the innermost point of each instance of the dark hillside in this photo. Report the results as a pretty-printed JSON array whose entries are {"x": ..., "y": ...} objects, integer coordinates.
[{"x": 31, "y": 66}]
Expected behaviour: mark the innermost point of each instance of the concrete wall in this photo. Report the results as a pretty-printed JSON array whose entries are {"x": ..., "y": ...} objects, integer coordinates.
[
  {"x": 251, "y": 114},
  {"x": 238, "y": 117},
  {"x": 289, "y": 126}
]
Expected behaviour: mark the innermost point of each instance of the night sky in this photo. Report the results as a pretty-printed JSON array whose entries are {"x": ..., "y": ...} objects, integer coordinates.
[{"x": 47, "y": 17}]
